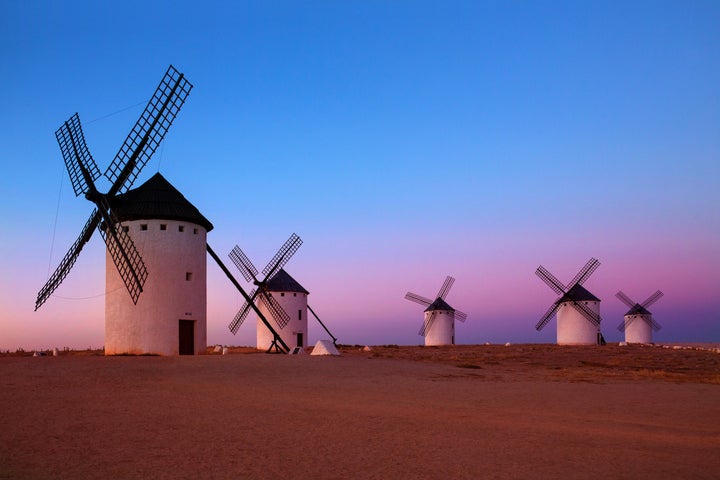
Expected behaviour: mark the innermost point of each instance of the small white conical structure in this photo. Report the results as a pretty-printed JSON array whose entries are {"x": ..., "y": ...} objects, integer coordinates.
[
  {"x": 292, "y": 297},
  {"x": 170, "y": 317},
  {"x": 325, "y": 347}
]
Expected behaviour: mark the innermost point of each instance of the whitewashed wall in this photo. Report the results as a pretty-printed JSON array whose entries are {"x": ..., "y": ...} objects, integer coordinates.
[{"x": 169, "y": 294}]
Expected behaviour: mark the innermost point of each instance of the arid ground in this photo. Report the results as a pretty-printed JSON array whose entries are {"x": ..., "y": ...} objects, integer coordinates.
[{"x": 521, "y": 411}]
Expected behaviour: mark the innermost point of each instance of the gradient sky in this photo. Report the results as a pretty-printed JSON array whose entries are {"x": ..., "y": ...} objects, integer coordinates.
[{"x": 403, "y": 141}]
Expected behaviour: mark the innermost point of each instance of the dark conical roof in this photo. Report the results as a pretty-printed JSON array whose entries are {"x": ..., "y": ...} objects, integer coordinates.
[
  {"x": 578, "y": 293},
  {"x": 283, "y": 282},
  {"x": 439, "y": 304},
  {"x": 157, "y": 199},
  {"x": 638, "y": 309}
]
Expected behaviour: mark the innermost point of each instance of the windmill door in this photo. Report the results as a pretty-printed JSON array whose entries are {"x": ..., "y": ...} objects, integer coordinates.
[
  {"x": 299, "y": 339},
  {"x": 186, "y": 337}
]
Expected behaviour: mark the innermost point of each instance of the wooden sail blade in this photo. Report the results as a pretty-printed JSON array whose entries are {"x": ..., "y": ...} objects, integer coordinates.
[
  {"x": 69, "y": 260},
  {"x": 282, "y": 256},
  {"x": 243, "y": 263},
  {"x": 148, "y": 131},
  {"x": 79, "y": 163}
]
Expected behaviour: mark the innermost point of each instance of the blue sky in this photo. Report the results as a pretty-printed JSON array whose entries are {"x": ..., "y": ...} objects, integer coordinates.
[{"x": 403, "y": 141}]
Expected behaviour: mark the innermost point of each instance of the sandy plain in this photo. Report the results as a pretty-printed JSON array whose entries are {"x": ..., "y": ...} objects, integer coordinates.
[{"x": 522, "y": 411}]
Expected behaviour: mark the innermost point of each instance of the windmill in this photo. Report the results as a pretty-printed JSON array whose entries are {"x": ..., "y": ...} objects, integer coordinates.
[
  {"x": 638, "y": 323},
  {"x": 439, "y": 324},
  {"x": 276, "y": 294},
  {"x": 578, "y": 310},
  {"x": 106, "y": 217}
]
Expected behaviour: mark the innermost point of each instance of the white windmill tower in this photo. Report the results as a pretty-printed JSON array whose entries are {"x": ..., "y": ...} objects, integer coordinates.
[
  {"x": 291, "y": 298},
  {"x": 144, "y": 333},
  {"x": 638, "y": 323},
  {"x": 578, "y": 310},
  {"x": 439, "y": 318},
  {"x": 170, "y": 317},
  {"x": 278, "y": 299}
]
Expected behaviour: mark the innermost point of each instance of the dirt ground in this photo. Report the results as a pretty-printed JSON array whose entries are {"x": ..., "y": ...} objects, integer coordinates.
[{"x": 523, "y": 411}]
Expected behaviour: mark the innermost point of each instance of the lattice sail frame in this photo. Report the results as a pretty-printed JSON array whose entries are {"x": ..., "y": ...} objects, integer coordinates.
[
  {"x": 76, "y": 155},
  {"x": 133, "y": 155},
  {"x": 149, "y": 130}
]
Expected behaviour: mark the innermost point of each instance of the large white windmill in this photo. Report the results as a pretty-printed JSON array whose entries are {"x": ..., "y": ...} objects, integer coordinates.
[
  {"x": 638, "y": 323},
  {"x": 170, "y": 317},
  {"x": 439, "y": 317},
  {"x": 578, "y": 310}
]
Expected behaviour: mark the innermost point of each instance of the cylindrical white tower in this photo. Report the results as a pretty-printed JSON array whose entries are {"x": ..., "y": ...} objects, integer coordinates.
[
  {"x": 572, "y": 326},
  {"x": 170, "y": 317},
  {"x": 638, "y": 328},
  {"x": 292, "y": 297},
  {"x": 442, "y": 329}
]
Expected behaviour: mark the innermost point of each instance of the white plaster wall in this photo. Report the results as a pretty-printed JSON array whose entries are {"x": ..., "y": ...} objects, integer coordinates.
[
  {"x": 442, "y": 330},
  {"x": 292, "y": 302},
  {"x": 152, "y": 326},
  {"x": 573, "y": 328},
  {"x": 637, "y": 329}
]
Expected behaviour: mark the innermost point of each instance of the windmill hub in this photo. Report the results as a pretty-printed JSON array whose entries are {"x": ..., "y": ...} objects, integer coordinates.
[{"x": 96, "y": 197}]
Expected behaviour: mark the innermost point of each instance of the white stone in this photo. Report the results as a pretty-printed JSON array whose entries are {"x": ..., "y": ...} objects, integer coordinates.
[
  {"x": 622, "y": 344},
  {"x": 217, "y": 349},
  {"x": 507, "y": 344},
  {"x": 367, "y": 348},
  {"x": 225, "y": 351}
]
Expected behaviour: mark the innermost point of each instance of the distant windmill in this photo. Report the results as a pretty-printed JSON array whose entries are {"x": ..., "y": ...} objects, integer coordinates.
[
  {"x": 578, "y": 310},
  {"x": 122, "y": 204},
  {"x": 276, "y": 294},
  {"x": 638, "y": 323},
  {"x": 439, "y": 323}
]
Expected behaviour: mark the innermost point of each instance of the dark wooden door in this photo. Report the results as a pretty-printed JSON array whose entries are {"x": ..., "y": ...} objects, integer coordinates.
[
  {"x": 186, "y": 337},
  {"x": 299, "y": 339}
]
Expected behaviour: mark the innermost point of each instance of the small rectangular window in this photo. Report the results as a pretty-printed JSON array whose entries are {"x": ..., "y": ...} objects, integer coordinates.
[
  {"x": 282, "y": 294},
  {"x": 294, "y": 294},
  {"x": 195, "y": 230},
  {"x": 143, "y": 226},
  {"x": 126, "y": 228},
  {"x": 188, "y": 276},
  {"x": 181, "y": 228},
  {"x": 163, "y": 226},
  {"x": 299, "y": 314}
]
